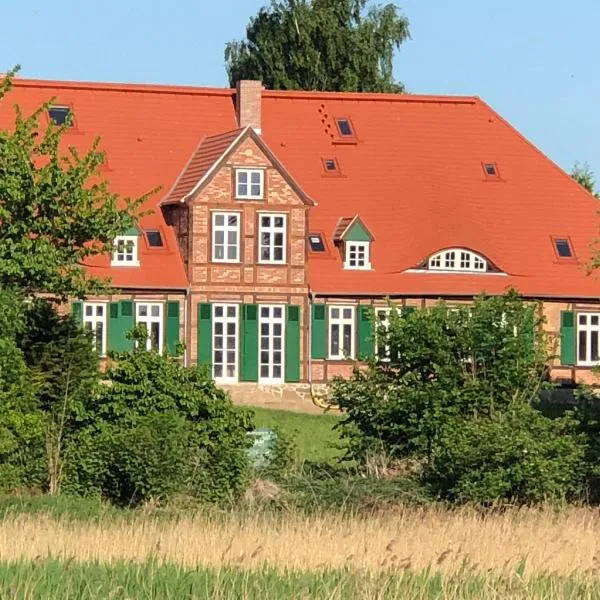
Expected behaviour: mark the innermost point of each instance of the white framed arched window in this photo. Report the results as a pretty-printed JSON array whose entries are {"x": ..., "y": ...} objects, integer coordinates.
[{"x": 457, "y": 259}]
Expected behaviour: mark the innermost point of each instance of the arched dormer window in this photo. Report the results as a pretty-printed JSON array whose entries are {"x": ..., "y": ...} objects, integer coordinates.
[{"x": 457, "y": 259}]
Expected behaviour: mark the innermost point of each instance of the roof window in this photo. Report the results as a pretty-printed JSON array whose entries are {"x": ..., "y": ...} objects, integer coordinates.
[
  {"x": 491, "y": 170},
  {"x": 457, "y": 259},
  {"x": 154, "y": 238},
  {"x": 316, "y": 242},
  {"x": 563, "y": 247},
  {"x": 60, "y": 115},
  {"x": 330, "y": 165},
  {"x": 345, "y": 127}
]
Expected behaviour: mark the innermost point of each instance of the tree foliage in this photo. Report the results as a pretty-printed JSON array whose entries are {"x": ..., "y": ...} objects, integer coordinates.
[
  {"x": 331, "y": 45},
  {"x": 55, "y": 209},
  {"x": 456, "y": 385},
  {"x": 584, "y": 176}
]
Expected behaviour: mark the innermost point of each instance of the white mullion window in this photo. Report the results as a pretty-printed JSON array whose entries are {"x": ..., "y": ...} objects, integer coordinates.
[
  {"x": 341, "y": 332},
  {"x": 225, "y": 342},
  {"x": 125, "y": 253},
  {"x": 271, "y": 351},
  {"x": 150, "y": 315},
  {"x": 357, "y": 255},
  {"x": 225, "y": 237},
  {"x": 588, "y": 332},
  {"x": 94, "y": 320},
  {"x": 272, "y": 239},
  {"x": 382, "y": 321},
  {"x": 249, "y": 184}
]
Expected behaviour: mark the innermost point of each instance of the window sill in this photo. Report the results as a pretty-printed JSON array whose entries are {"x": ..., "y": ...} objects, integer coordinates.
[
  {"x": 216, "y": 261},
  {"x": 123, "y": 264},
  {"x": 259, "y": 198},
  {"x": 366, "y": 268},
  {"x": 271, "y": 264}
]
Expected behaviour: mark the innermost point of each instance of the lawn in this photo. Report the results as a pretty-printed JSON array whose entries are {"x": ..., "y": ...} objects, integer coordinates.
[{"x": 314, "y": 435}]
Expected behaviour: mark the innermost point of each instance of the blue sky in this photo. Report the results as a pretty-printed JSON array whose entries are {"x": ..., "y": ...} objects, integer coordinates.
[{"x": 534, "y": 61}]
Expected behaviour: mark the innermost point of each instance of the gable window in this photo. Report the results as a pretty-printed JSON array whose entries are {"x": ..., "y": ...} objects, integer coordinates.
[
  {"x": 226, "y": 237},
  {"x": 154, "y": 238},
  {"x": 345, "y": 127},
  {"x": 315, "y": 240},
  {"x": 125, "y": 251},
  {"x": 456, "y": 259},
  {"x": 588, "y": 331},
  {"x": 341, "y": 332},
  {"x": 272, "y": 236},
  {"x": 94, "y": 321},
  {"x": 563, "y": 248},
  {"x": 149, "y": 314},
  {"x": 60, "y": 115},
  {"x": 249, "y": 183},
  {"x": 357, "y": 255}
]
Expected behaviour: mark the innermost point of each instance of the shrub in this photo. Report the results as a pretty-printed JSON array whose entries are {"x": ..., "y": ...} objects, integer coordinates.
[{"x": 518, "y": 455}]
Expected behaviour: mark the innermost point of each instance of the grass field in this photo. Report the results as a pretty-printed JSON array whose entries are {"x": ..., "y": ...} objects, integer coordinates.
[
  {"x": 49, "y": 579},
  {"x": 314, "y": 436}
]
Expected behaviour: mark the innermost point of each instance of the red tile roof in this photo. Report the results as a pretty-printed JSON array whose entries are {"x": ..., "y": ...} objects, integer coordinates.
[
  {"x": 341, "y": 227},
  {"x": 414, "y": 177}
]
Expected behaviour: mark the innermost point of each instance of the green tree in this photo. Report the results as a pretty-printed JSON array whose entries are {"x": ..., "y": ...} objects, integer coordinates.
[
  {"x": 55, "y": 209},
  {"x": 584, "y": 176},
  {"x": 332, "y": 45}
]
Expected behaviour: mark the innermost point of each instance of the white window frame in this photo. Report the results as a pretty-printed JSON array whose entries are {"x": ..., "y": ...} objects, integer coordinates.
[
  {"x": 341, "y": 321},
  {"x": 249, "y": 173},
  {"x": 590, "y": 330},
  {"x": 119, "y": 255},
  {"x": 457, "y": 259},
  {"x": 148, "y": 319},
  {"x": 385, "y": 323},
  {"x": 357, "y": 248},
  {"x": 272, "y": 230},
  {"x": 93, "y": 320},
  {"x": 225, "y": 319},
  {"x": 271, "y": 320},
  {"x": 226, "y": 228}
]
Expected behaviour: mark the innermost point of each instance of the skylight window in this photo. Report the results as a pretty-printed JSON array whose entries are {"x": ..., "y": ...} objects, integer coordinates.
[
  {"x": 330, "y": 165},
  {"x": 154, "y": 238},
  {"x": 316, "y": 242},
  {"x": 60, "y": 115},
  {"x": 563, "y": 248},
  {"x": 345, "y": 127},
  {"x": 491, "y": 170}
]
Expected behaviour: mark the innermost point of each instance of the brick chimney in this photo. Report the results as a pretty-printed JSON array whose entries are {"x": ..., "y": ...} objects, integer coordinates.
[{"x": 248, "y": 104}]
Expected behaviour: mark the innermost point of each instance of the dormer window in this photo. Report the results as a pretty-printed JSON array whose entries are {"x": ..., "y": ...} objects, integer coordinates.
[
  {"x": 357, "y": 255},
  {"x": 249, "y": 184},
  {"x": 125, "y": 253},
  {"x": 457, "y": 259}
]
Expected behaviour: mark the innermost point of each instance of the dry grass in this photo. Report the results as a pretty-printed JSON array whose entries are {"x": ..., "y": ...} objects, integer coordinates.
[{"x": 563, "y": 542}]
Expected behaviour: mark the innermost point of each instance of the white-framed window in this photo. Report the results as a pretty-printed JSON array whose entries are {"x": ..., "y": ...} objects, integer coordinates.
[
  {"x": 249, "y": 184},
  {"x": 382, "y": 322},
  {"x": 150, "y": 314},
  {"x": 588, "y": 331},
  {"x": 226, "y": 237},
  {"x": 457, "y": 259},
  {"x": 357, "y": 255},
  {"x": 94, "y": 320},
  {"x": 272, "y": 238},
  {"x": 125, "y": 253},
  {"x": 341, "y": 332},
  {"x": 271, "y": 350},
  {"x": 225, "y": 342}
]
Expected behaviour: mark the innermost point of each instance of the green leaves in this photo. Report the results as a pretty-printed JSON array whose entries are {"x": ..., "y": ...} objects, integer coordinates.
[
  {"x": 56, "y": 211},
  {"x": 329, "y": 45}
]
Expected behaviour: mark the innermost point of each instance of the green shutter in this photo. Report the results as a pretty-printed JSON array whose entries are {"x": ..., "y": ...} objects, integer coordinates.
[
  {"x": 172, "y": 328},
  {"x": 567, "y": 337},
  {"x": 318, "y": 338},
  {"x": 292, "y": 344},
  {"x": 77, "y": 311},
  {"x": 249, "y": 345},
  {"x": 120, "y": 323},
  {"x": 365, "y": 333},
  {"x": 204, "y": 350}
]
